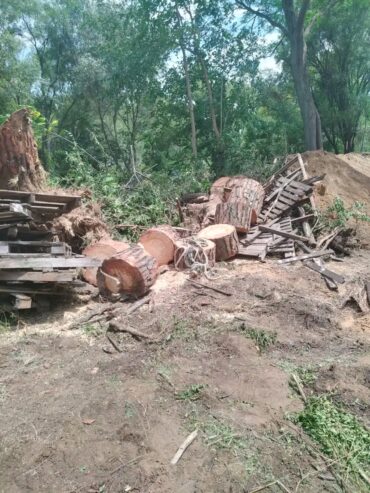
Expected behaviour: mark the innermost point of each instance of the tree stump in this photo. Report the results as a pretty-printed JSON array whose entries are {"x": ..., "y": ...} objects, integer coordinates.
[
  {"x": 20, "y": 167},
  {"x": 160, "y": 243},
  {"x": 102, "y": 250},
  {"x": 225, "y": 238},
  {"x": 243, "y": 204},
  {"x": 132, "y": 272},
  {"x": 189, "y": 252}
]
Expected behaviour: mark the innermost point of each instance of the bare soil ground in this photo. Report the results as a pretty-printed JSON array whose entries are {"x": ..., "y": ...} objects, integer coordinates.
[{"x": 75, "y": 418}]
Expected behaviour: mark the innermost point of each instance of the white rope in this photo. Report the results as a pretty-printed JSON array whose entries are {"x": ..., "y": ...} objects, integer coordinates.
[{"x": 195, "y": 258}]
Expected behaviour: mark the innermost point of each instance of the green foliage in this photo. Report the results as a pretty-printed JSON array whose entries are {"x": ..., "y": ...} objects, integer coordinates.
[
  {"x": 338, "y": 433},
  {"x": 8, "y": 321},
  {"x": 191, "y": 393},
  {"x": 223, "y": 436},
  {"x": 263, "y": 339},
  {"x": 338, "y": 215}
]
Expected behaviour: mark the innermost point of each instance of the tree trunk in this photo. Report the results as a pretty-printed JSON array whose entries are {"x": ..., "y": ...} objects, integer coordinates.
[
  {"x": 188, "y": 89},
  {"x": 243, "y": 201},
  {"x": 310, "y": 115},
  {"x": 295, "y": 32},
  {"x": 20, "y": 167}
]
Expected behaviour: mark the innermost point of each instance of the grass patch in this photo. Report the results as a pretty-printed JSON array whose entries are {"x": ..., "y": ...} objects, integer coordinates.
[
  {"x": 8, "y": 321},
  {"x": 183, "y": 329},
  {"x": 93, "y": 330},
  {"x": 263, "y": 339},
  {"x": 340, "y": 436},
  {"x": 192, "y": 393}
]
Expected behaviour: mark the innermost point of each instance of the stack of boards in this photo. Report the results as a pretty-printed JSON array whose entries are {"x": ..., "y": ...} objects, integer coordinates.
[{"x": 33, "y": 263}]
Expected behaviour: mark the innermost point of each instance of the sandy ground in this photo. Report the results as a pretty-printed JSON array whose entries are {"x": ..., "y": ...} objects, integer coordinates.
[{"x": 78, "y": 416}]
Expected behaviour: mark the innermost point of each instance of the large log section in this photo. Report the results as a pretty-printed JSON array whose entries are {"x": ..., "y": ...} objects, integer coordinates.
[
  {"x": 20, "y": 168},
  {"x": 101, "y": 250},
  {"x": 132, "y": 272},
  {"x": 225, "y": 238},
  {"x": 243, "y": 201},
  {"x": 160, "y": 243}
]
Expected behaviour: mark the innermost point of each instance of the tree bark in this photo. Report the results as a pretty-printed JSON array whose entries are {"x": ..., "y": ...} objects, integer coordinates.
[
  {"x": 298, "y": 61},
  {"x": 20, "y": 167},
  {"x": 296, "y": 33},
  {"x": 188, "y": 88}
]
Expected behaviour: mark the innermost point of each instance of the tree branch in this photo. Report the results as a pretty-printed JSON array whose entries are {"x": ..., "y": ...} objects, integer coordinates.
[
  {"x": 329, "y": 5},
  {"x": 262, "y": 15},
  {"x": 302, "y": 13}
]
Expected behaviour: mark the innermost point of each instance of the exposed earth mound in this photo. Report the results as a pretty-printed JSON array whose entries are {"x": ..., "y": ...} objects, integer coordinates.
[{"x": 346, "y": 176}]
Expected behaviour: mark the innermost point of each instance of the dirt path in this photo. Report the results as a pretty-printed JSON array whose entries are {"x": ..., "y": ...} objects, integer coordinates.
[{"x": 77, "y": 419}]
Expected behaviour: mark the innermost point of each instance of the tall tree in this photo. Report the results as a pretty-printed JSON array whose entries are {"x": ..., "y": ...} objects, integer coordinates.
[
  {"x": 339, "y": 54},
  {"x": 292, "y": 19}
]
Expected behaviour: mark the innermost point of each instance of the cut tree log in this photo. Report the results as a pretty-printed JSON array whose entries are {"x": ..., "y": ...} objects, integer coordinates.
[
  {"x": 192, "y": 251},
  {"x": 20, "y": 167},
  {"x": 134, "y": 270},
  {"x": 217, "y": 196},
  {"x": 101, "y": 250},
  {"x": 244, "y": 201},
  {"x": 225, "y": 238},
  {"x": 160, "y": 243}
]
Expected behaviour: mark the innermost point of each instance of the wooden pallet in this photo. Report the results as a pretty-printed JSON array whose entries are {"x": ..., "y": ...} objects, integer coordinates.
[
  {"x": 34, "y": 248},
  {"x": 287, "y": 194},
  {"x": 281, "y": 245},
  {"x": 40, "y": 203},
  {"x": 47, "y": 262},
  {"x": 14, "y": 213}
]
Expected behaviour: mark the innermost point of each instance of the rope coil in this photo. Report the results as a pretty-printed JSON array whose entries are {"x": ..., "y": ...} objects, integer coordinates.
[{"x": 195, "y": 258}]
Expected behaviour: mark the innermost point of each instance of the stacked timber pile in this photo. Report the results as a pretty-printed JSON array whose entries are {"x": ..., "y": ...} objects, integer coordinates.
[{"x": 32, "y": 260}]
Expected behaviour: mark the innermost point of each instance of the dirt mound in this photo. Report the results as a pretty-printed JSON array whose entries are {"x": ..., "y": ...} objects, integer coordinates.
[
  {"x": 347, "y": 177},
  {"x": 359, "y": 162}
]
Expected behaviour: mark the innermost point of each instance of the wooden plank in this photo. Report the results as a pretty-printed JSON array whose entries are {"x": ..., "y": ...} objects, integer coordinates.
[
  {"x": 39, "y": 263},
  {"x": 324, "y": 272},
  {"x": 40, "y": 277},
  {"x": 306, "y": 177},
  {"x": 22, "y": 289},
  {"x": 320, "y": 253},
  {"x": 21, "y": 301},
  {"x": 302, "y": 218},
  {"x": 45, "y": 197}
]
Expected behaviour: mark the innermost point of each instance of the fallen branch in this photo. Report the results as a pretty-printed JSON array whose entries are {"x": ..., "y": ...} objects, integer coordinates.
[
  {"x": 138, "y": 304},
  {"x": 299, "y": 387},
  {"x": 186, "y": 443},
  {"x": 277, "y": 482},
  {"x": 217, "y": 290},
  {"x": 86, "y": 317},
  {"x": 130, "y": 330},
  {"x": 116, "y": 347}
]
